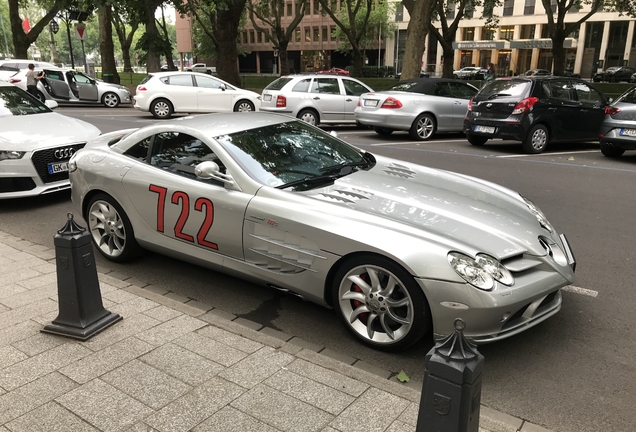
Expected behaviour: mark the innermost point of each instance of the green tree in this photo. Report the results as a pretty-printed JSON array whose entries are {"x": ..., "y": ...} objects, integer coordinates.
[
  {"x": 416, "y": 32},
  {"x": 126, "y": 22},
  {"x": 169, "y": 35},
  {"x": 6, "y": 39},
  {"x": 67, "y": 30},
  {"x": 269, "y": 14},
  {"x": 22, "y": 40}
]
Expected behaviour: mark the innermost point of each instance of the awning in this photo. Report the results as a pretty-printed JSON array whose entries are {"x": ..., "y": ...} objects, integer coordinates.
[
  {"x": 540, "y": 43},
  {"x": 482, "y": 44}
]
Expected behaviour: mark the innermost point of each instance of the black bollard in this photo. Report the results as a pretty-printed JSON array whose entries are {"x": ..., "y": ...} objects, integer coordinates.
[
  {"x": 451, "y": 394},
  {"x": 82, "y": 314}
]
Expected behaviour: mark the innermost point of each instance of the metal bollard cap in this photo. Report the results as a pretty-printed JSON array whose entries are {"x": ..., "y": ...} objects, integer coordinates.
[
  {"x": 71, "y": 228},
  {"x": 456, "y": 347}
]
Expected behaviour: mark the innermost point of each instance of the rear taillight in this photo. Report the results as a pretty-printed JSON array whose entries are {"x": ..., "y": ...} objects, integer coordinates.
[
  {"x": 610, "y": 110},
  {"x": 14, "y": 80},
  {"x": 391, "y": 103},
  {"x": 281, "y": 101},
  {"x": 358, "y": 102},
  {"x": 524, "y": 105},
  {"x": 141, "y": 88},
  {"x": 470, "y": 104}
]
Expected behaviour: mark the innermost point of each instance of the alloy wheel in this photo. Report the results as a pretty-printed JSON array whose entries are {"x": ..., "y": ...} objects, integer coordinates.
[
  {"x": 162, "y": 109},
  {"x": 111, "y": 100},
  {"x": 244, "y": 106},
  {"x": 539, "y": 139},
  {"x": 425, "y": 127},
  {"x": 107, "y": 228}
]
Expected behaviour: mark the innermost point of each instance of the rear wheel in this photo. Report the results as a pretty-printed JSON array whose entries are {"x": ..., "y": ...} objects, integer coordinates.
[
  {"x": 423, "y": 127},
  {"x": 161, "y": 108},
  {"x": 537, "y": 139},
  {"x": 243, "y": 106},
  {"x": 476, "y": 140},
  {"x": 382, "y": 131},
  {"x": 610, "y": 151},
  {"x": 40, "y": 96},
  {"x": 309, "y": 116}
]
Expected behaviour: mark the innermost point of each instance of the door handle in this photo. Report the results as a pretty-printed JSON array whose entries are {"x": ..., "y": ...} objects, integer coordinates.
[
  {"x": 552, "y": 109},
  {"x": 584, "y": 110},
  {"x": 349, "y": 100},
  {"x": 316, "y": 98}
]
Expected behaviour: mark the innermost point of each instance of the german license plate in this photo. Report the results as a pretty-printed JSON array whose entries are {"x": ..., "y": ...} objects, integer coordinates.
[
  {"x": 57, "y": 167},
  {"x": 484, "y": 129},
  {"x": 267, "y": 97},
  {"x": 370, "y": 103},
  {"x": 628, "y": 132}
]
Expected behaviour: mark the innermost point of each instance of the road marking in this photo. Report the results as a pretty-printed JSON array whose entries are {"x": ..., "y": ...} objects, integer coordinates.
[
  {"x": 549, "y": 154},
  {"x": 412, "y": 142},
  {"x": 582, "y": 291}
]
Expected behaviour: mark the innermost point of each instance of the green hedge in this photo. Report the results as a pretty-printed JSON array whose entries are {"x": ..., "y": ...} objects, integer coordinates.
[{"x": 374, "y": 71}]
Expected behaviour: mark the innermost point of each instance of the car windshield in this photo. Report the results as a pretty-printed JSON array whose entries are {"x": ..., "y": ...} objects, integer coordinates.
[
  {"x": 283, "y": 153},
  {"x": 612, "y": 69},
  {"x": 17, "y": 102},
  {"x": 403, "y": 86},
  {"x": 505, "y": 87},
  {"x": 278, "y": 84},
  {"x": 628, "y": 97}
]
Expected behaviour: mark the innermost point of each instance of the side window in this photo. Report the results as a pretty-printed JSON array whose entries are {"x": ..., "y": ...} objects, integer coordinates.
[
  {"x": 180, "y": 153},
  {"x": 82, "y": 79},
  {"x": 54, "y": 75},
  {"x": 206, "y": 82},
  {"x": 302, "y": 86},
  {"x": 462, "y": 91},
  {"x": 353, "y": 88},
  {"x": 140, "y": 150},
  {"x": 558, "y": 90},
  {"x": 587, "y": 94},
  {"x": 184, "y": 80},
  {"x": 440, "y": 89},
  {"x": 325, "y": 85}
]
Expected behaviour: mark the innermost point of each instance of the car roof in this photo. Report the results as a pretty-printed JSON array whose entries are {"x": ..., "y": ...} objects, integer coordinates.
[
  {"x": 316, "y": 75},
  {"x": 423, "y": 84},
  {"x": 166, "y": 73}
]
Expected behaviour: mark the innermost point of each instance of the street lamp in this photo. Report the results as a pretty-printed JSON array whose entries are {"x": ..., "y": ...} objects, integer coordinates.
[{"x": 54, "y": 26}]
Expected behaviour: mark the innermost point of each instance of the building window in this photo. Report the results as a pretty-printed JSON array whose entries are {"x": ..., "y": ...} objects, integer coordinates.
[
  {"x": 488, "y": 10},
  {"x": 509, "y": 6},
  {"x": 316, "y": 34},
  {"x": 316, "y": 7},
  {"x": 469, "y": 11},
  {"x": 259, "y": 37},
  {"x": 545, "y": 32},
  {"x": 507, "y": 32},
  {"x": 244, "y": 37},
  {"x": 553, "y": 6},
  {"x": 575, "y": 8},
  {"x": 307, "y": 34},
  {"x": 399, "y": 13},
  {"x": 333, "y": 33},
  {"x": 324, "y": 33},
  {"x": 251, "y": 36},
  {"x": 289, "y": 9},
  {"x": 488, "y": 33},
  {"x": 267, "y": 37},
  {"x": 468, "y": 33},
  {"x": 527, "y": 31},
  {"x": 575, "y": 33},
  {"x": 528, "y": 9},
  {"x": 450, "y": 11},
  {"x": 297, "y": 34}
]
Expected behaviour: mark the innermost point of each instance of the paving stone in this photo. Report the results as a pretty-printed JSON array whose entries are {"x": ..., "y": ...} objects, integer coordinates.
[
  {"x": 42, "y": 364},
  {"x": 48, "y": 254},
  {"x": 398, "y": 426},
  {"x": 162, "y": 313},
  {"x": 17, "y": 316},
  {"x": 274, "y": 408},
  {"x": 132, "y": 307},
  {"x": 141, "y": 427},
  {"x": 363, "y": 415},
  {"x": 338, "y": 356},
  {"x": 220, "y": 314},
  {"x": 136, "y": 282},
  {"x": 125, "y": 328},
  {"x": 38, "y": 281},
  {"x": 372, "y": 368},
  {"x": 210, "y": 349},
  {"x": 50, "y": 418},
  {"x": 329, "y": 378},
  {"x": 192, "y": 408},
  {"x": 111, "y": 357},
  {"x": 156, "y": 290},
  {"x": 45, "y": 268},
  {"x": 10, "y": 355},
  {"x": 258, "y": 366},
  {"x": 19, "y": 331},
  {"x": 183, "y": 364},
  {"x": 249, "y": 324},
  {"x": 119, "y": 296},
  {"x": 45, "y": 318},
  {"x": 316, "y": 394},
  {"x": 32, "y": 395},
  {"x": 12, "y": 274},
  {"x": 11, "y": 289},
  {"x": 30, "y": 296},
  {"x": 235, "y": 341},
  {"x": 200, "y": 305},
  {"x": 174, "y": 296},
  {"x": 114, "y": 279},
  {"x": 171, "y": 330},
  {"x": 305, "y": 344},
  {"x": 275, "y": 333},
  {"x": 409, "y": 416},
  {"x": 103, "y": 406},
  {"x": 38, "y": 343},
  {"x": 21, "y": 265},
  {"x": 146, "y": 384},
  {"x": 230, "y": 419},
  {"x": 497, "y": 421},
  {"x": 531, "y": 427}
]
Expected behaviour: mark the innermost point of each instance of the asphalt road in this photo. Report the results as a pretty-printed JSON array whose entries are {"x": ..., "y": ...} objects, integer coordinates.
[{"x": 574, "y": 372}]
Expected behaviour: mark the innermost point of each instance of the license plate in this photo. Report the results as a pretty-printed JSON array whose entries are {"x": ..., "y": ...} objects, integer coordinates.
[
  {"x": 58, "y": 167},
  {"x": 267, "y": 97},
  {"x": 484, "y": 129},
  {"x": 370, "y": 103},
  {"x": 628, "y": 132}
]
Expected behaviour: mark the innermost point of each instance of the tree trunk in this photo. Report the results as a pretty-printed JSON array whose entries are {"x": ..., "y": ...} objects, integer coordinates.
[
  {"x": 125, "y": 52},
  {"x": 558, "y": 53},
  {"x": 358, "y": 62},
  {"x": 153, "y": 48},
  {"x": 416, "y": 39},
  {"x": 106, "y": 47},
  {"x": 449, "y": 58},
  {"x": 21, "y": 40},
  {"x": 284, "y": 56},
  {"x": 226, "y": 34}
]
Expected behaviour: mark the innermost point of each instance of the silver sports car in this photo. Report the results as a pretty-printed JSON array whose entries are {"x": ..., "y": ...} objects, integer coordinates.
[
  {"x": 398, "y": 250},
  {"x": 422, "y": 107}
]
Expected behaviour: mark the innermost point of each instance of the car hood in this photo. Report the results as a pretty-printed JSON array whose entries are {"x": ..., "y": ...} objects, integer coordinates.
[
  {"x": 463, "y": 209},
  {"x": 105, "y": 84},
  {"x": 31, "y": 132}
]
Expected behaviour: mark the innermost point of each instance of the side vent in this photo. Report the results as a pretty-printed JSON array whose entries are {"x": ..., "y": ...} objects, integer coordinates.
[{"x": 399, "y": 171}]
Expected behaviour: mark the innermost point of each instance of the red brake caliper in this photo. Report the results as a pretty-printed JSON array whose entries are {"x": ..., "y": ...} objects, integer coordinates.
[{"x": 356, "y": 303}]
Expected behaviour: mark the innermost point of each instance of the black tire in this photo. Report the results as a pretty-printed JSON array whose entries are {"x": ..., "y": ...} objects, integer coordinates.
[
  {"x": 111, "y": 100},
  {"x": 537, "y": 139},
  {"x": 383, "y": 131},
  {"x": 610, "y": 151},
  {"x": 423, "y": 128},
  {"x": 361, "y": 126},
  {"x": 110, "y": 229},
  {"x": 309, "y": 116},
  {"x": 244, "y": 106},
  {"x": 455, "y": 76},
  {"x": 379, "y": 327},
  {"x": 40, "y": 96},
  {"x": 476, "y": 140},
  {"x": 161, "y": 108}
]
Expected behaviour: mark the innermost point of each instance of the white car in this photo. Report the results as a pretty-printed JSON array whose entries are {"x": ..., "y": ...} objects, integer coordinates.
[
  {"x": 36, "y": 144},
  {"x": 9, "y": 67},
  {"x": 165, "y": 93}
]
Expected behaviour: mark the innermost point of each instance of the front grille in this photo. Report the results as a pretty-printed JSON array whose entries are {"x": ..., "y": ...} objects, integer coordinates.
[
  {"x": 16, "y": 184},
  {"x": 42, "y": 158}
]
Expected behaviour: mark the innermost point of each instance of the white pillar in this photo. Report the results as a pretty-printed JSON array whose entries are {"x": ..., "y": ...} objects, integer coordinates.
[
  {"x": 438, "y": 60},
  {"x": 457, "y": 54},
  {"x": 580, "y": 48},
  {"x": 604, "y": 42},
  {"x": 628, "y": 42}
]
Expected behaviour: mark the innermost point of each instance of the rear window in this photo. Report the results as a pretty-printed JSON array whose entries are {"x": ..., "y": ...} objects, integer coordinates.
[
  {"x": 506, "y": 88},
  {"x": 278, "y": 84},
  {"x": 146, "y": 79},
  {"x": 628, "y": 97}
]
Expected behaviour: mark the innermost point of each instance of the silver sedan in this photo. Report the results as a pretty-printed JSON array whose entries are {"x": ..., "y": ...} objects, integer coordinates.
[{"x": 421, "y": 106}]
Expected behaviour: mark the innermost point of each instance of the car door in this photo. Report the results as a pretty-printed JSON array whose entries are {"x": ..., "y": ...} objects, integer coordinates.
[
  {"x": 592, "y": 109},
  {"x": 86, "y": 87},
  {"x": 441, "y": 103},
  {"x": 326, "y": 97},
  {"x": 352, "y": 89},
  {"x": 182, "y": 92},
  {"x": 562, "y": 110},
  {"x": 55, "y": 84},
  {"x": 213, "y": 95},
  {"x": 197, "y": 216},
  {"x": 461, "y": 93}
]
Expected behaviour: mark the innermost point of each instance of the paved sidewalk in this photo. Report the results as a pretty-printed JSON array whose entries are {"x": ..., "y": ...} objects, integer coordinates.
[{"x": 173, "y": 366}]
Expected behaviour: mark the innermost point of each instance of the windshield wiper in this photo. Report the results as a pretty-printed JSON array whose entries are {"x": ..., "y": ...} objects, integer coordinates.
[
  {"x": 496, "y": 95},
  {"x": 307, "y": 181},
  {"x": 345, "y": 167}
]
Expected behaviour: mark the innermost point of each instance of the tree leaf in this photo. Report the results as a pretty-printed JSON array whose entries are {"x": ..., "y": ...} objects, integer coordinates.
[{"x": 403, "y": 377}]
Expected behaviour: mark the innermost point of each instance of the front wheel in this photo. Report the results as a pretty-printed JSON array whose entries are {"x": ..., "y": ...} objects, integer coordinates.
[
  {"x": 110, "y": 229},
  {"x": 111, "y": 100},
  {"x": 380, "y": 303},
  {"x": 610, "y": 151},
  {"x": 40, "y": 96},
  {"x": 243, "y": 106},
  {"x": 309, "y": 116},
  {"x": 537, "y": 139},
  {"x": 423, "y": 127}
]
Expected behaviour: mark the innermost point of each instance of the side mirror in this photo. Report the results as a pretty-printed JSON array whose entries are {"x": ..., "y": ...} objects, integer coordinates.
[
  {"x": 610, "y": 100},
  {"x": 333, "y": 133},
  {"x": 50, "y": 103},
  {"x": 223, "y": 87},
  {"x": 210, "y": 170}
]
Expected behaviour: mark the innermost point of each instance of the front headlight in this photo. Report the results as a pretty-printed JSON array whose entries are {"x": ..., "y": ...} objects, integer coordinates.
[
  {"x": 72, "y": 164},
  {"x": 481, "y": 272},
  {"x": 543, "y": 221},
  {"x": 11, "y": 154}
]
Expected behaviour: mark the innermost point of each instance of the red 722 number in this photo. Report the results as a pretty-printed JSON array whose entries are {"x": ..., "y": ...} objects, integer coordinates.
[{"x": 182, "y": 199}]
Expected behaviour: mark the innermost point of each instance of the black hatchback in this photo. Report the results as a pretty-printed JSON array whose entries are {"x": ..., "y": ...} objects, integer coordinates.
[{"x": 535, "y": 111}]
